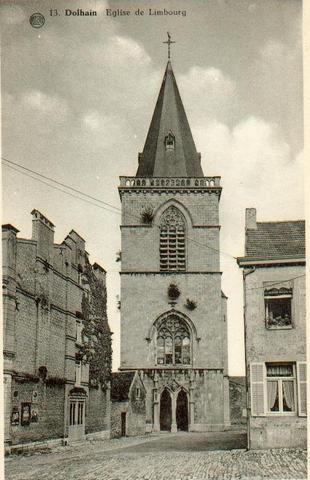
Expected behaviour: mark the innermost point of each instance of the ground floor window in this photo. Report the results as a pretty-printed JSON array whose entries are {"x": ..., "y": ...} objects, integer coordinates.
[
  {"x": 278, "y": 388},
  {"x": 281, "y": 387}
]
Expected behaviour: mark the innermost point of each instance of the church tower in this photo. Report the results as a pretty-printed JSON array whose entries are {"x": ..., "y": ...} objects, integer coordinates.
[{"x": 173, "y": 311}]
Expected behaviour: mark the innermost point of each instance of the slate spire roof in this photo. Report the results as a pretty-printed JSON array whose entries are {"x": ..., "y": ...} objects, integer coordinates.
[{"x": 169, "y": 149}]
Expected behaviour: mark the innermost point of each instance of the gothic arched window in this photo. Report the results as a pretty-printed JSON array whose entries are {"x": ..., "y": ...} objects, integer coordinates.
[
  {"x": 173, "y": 342},
  {"x": 172, "y": 240}
]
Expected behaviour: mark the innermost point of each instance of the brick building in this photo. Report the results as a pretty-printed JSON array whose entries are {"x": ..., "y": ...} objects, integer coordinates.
[
  {"x": 275, "y": 332},
  {"x": 46, "y": 382},
  {"x": 173, "y": 311}
]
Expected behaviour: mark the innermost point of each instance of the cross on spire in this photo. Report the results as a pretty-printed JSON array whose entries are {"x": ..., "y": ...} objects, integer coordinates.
[{"x": 169, "y": 42}]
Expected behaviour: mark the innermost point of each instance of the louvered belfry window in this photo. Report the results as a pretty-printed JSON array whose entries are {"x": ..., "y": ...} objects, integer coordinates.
[{"x": 172, "y": 241}]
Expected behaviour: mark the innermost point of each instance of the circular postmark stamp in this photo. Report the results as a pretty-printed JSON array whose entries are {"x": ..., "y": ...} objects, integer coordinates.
[{"x": 37, "y": 20}]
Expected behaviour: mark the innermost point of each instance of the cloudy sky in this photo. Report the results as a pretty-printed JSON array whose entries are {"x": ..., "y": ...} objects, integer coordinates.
[{"x": 78, "y": 95}]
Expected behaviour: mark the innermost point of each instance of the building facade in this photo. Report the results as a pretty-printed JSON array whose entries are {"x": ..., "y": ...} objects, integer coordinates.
[
  {"x": 47, "y": 388},
  {"x": 173, "y": 311},
  {"x": 275, "y": 332},
  {"x": 128, "y": 404}
]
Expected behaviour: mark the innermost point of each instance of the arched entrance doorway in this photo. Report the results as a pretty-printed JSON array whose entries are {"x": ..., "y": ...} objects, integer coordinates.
[
  {"x": 182, "y": 411},
  {"x": 165, "y": 411}
]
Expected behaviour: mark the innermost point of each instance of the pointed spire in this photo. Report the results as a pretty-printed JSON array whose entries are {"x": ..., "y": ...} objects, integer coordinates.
[{"x": 169, "y": 149}]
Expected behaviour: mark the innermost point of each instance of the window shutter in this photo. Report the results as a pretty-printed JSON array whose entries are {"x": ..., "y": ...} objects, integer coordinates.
[
  {"x": 257, "y": 389},
  {"x": 302, "y": 388}
]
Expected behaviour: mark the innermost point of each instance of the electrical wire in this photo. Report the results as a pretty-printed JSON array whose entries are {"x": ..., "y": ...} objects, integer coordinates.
[
  {"x": 275, "y": 283},
  {"x": 104, "y": 204},
  {"x": 115, "y": 209}
]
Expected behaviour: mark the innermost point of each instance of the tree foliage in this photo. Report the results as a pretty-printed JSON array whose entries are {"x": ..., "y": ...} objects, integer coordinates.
[{"x": 97, "y": 344}]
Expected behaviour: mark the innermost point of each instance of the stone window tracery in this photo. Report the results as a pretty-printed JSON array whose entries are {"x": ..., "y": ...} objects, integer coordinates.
[
  {"x": 173, "y": 342},
  {"x": 172, "y": 240}
]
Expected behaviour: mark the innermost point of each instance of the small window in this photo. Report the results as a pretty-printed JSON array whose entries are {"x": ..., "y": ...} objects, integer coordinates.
[
  {"x": 138, "y": 393},
  {"x": 281, "y": 388},
  {"x": 72, "y": 413},
  {"x": 26, "y": 414},
  {"x": 80, "y": 413},
  {"x": 79, "y": 328},
  {"x": 278, "y": 306},
  {"x": 170, "y": 141},
  {"x": 78, "y": 372}
]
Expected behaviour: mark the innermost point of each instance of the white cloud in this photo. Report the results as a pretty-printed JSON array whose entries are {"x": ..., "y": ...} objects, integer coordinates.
[
  {"x": 207, "y": 92},
  {"x": 120, "y": 51},
  {"x": 207, "y": 80},
  {"x": 257, "y": 170},
  {"x": 46, "y": 104}
]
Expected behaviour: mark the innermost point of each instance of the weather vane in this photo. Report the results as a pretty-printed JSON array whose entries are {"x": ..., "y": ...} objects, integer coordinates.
[{"x": 169, "y": 42}]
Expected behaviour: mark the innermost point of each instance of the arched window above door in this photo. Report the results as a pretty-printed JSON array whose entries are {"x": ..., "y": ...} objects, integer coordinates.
[
  {"x": 172, "y": 240},
  {"x": 173, "y": 342}
]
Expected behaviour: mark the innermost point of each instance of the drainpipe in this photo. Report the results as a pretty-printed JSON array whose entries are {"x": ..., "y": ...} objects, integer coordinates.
[{"x": 245, "y": 274}]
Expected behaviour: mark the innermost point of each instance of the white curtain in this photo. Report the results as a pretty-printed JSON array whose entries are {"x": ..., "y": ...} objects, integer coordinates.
[
  {"x": 272, "y": 391},
  {"x": 288, "y": 392}
]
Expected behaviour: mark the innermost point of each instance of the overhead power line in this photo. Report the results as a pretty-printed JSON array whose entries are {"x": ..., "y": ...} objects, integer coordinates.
[
  {"x": 275, "y": 283},
  {"x": 60, "y": 183},
  {"x": 60, "y": 190},
  {"x": 103, "y": 205}
]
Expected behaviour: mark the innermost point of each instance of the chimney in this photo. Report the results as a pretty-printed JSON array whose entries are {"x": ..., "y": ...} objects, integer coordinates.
[
  {"x": 9, "y": 250},
  {"x": 43, "y": 233},
  {"x": 250, "y": 219}
]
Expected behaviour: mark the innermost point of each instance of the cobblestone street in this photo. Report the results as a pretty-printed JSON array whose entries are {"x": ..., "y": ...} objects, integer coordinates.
[{"x": 165, "y": 457}]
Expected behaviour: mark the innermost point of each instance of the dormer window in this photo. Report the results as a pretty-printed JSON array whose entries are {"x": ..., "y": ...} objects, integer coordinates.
[{"x": 170, "y": 141}]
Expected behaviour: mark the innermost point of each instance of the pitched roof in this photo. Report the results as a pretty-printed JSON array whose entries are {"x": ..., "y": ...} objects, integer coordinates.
[
  {"x": 169, "y": 117},
  {"x": 120, "y": 385},
  {"x": 276, "y": 240}
]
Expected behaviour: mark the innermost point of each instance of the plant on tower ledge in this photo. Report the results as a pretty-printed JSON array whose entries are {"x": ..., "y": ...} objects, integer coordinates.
[
  {"x": 173, "y": 291},
  {"x": 147, "y": 215},
  {"x": 118, "y": 256},
  {"x": 190, "y": 304}
]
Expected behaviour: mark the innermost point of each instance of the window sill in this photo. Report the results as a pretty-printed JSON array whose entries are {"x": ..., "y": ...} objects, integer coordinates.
[
  {"x": 281, "y": 414},
  {"x": 288, "y": 327},
  {"x": 173, "y": 367}
]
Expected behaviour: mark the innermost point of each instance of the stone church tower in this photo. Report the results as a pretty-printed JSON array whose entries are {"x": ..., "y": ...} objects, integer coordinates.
[{"x": 173, "y": 311}]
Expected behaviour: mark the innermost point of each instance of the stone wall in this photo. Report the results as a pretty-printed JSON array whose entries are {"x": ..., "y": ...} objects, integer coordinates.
[
  {"x": 46, "y": 407},
  {"x": 237, "y": 400},
  {"x": 144, "y": 299},
  {"x": 202, "y": 227},
  {"x": 98, "y": 411},
  {"x": 42, "y": 303},
  {"x": 117, "y": 408},
  {"x": 276, "y": 345}
]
